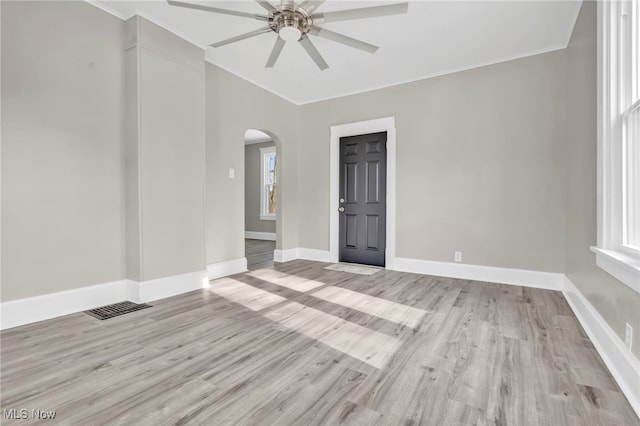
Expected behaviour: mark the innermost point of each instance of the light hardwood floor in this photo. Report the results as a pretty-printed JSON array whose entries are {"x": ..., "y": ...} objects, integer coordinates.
[{"x": 297, "y": 344}]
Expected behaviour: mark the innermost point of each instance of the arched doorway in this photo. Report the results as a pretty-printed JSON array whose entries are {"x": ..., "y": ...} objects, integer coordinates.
[{"x": 261, "y": 197}]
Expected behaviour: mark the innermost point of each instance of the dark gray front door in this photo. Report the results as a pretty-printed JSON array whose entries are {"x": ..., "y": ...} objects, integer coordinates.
[{"x": 363, "y": 198}]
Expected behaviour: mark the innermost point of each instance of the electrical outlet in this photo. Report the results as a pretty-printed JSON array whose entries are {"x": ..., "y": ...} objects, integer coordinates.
[
  {"x": 628, "y": 335},
  {"x": 457, "y": 256}
]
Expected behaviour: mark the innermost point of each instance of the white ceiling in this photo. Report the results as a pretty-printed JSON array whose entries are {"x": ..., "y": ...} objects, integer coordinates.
[{"x": 433, "y": 38}]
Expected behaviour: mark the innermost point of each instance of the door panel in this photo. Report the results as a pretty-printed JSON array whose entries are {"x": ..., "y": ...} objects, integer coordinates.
[
  {"x": 350, "y": 149},
  {"x": 372, "y": 231},
  {"x": 351, "y": 182},
  {"x": 372, "y": 180},
  {"x": 351, "y": 231},
  {"x": 363, "y": 181},
  {"x": 374, "y": 147}
]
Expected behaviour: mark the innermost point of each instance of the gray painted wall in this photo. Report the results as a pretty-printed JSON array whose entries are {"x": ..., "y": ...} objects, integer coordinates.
[
  {"x": 480, "y": 157},
  {"x": 232, "y": 107},
  {"x": 252, "y": 169},
  {"x": 616, "y": 302},
  {"x": 62, "y": 162}
]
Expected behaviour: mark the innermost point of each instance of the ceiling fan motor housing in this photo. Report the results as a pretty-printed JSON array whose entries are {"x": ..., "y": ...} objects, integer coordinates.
[{"x": 291, "y": 24}]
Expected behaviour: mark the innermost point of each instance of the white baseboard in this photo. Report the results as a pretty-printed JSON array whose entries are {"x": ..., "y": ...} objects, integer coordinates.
[
  {"x": 169, "y": 286},
  {"x": 252, "y": 235},
  {"x": 285, "y": 255},
  {"x": 33, "y": 309},
  {"x": 19, "y": 312},
  {"x": 314, "y": 254},
  {"x": 230, "y": 267},
  {"x": 523, "y": 277},
  {"x": 132, "y": 291},
  {"x": 623, "y": 365},
  {"x": 301, "y": 253}
]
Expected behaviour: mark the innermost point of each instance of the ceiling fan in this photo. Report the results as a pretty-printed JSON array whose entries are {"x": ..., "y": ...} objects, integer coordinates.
[{"x": 295, "y": 22}]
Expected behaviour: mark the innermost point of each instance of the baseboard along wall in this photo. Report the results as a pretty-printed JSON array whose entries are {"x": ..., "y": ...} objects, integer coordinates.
[
  {"x": 621, "y": 362},
  {"x": 267, "y": 236},
  {"x": 19, "y": 312},
  {"x": 230, "y": 267},
  {"x": 523, "y": 277}
]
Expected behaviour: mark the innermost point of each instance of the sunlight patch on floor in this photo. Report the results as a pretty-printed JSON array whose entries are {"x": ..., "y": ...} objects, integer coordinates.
[
  {"x": 244, "y": 294},
  {"x": 382, "y": 308},
  {"x": 366, "y": 345},
  {"x": 281, "y": 279}
]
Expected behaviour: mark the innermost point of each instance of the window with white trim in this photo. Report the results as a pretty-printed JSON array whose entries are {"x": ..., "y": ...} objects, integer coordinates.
[
  {"x": 618, "y": 250},
  {"x": 268, "y": 183}
]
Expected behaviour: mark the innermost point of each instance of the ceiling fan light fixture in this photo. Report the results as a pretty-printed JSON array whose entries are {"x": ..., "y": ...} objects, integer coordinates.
[
  {"x": 290, "y": 33},
  {"x": 295, "y": 22}
]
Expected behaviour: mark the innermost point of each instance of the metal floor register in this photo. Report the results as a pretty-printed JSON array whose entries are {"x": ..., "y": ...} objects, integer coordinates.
[{"x": 115, "y": 310}]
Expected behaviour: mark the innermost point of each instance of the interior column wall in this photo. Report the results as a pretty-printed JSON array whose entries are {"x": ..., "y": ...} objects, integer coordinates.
[{"x": 165, "y": 153}]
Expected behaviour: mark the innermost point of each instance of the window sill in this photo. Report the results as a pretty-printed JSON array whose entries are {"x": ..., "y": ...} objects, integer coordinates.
[
  {"x": 267, "y": 217},
  {"x": 622, "y": 266}
]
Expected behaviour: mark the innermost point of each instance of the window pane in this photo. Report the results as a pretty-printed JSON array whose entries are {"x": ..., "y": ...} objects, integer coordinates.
[
  {"x": 631, "y": 178},
  {"x": 269, "y": 180},
  {"x": 270, "y": 172},
  {"x": 271, "y": 199}
]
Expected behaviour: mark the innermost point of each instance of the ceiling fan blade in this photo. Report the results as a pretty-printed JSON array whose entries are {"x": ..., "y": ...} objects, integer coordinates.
[
  {"x": 242, "y": 36},
  {"x": 268, "y": 6},
  {"x": 310, "y": 5},
  {"x": 218, "y": 10},
  {"x": 364, "y": 12},
  {"x": 275, "y": 53},
  {"x": 343, "y": 39},
  {"x": 313, "y": 52}
]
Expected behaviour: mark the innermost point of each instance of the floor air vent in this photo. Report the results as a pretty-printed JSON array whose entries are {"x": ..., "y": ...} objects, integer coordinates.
[{"x": 117, "y": 309}]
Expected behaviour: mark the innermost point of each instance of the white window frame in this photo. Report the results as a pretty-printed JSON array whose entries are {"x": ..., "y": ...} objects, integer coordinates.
[
  {"x": 265, "y": 153},
  {"x": 623, "y": 262}
]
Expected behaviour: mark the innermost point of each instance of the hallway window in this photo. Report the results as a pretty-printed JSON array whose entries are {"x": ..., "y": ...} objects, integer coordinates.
[
  {"x": 268, "y": 183},
  {"x": 618, "y": 250}
]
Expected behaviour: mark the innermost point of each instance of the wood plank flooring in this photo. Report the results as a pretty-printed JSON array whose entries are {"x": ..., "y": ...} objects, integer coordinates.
[
  {"x": 300, "y": 345},
  {"x": 259, "y": 253}
]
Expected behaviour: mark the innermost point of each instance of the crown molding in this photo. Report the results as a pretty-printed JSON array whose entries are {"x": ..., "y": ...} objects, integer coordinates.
[
  {"x": 107, "y": 9},
  {"x": 440, "y": 73},
  {"x": 169, "y": 28},
  {"x": 148, "y": 17}
]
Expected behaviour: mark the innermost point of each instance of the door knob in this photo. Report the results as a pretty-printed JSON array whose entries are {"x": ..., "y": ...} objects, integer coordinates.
[
  {"x": 342, "y": 200},
  {"x": 341, "y": 209}
]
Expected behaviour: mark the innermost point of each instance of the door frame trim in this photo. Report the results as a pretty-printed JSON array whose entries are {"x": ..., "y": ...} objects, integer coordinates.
[{"x": 386, "y": 124}]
